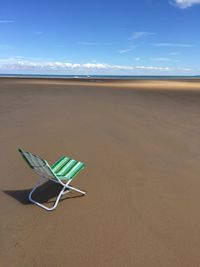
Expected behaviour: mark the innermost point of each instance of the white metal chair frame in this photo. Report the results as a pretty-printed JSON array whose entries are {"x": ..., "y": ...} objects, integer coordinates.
[
  {"x": 66, "y": 188},
  {"x": 42, "y": 168}
]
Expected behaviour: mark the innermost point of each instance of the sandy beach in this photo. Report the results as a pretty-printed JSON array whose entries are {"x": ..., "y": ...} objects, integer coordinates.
[{"x": 140, "y": 141}]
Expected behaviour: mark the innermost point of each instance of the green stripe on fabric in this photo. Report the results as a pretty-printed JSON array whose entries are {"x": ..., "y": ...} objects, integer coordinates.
[
  {"x": 75, "y": 170},
  {"x": 66, "y": 168},
  {"x": 57, "y": 162},
  {"x": 75, "y": 174},
  {"x": 56, "y": 167}
]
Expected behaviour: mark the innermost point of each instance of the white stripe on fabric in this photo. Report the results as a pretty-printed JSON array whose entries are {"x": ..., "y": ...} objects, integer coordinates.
[
  {"x": 74, "y": 168},
  {"x": 68, "y": 165},
  {"x": 63, "y": 161}
]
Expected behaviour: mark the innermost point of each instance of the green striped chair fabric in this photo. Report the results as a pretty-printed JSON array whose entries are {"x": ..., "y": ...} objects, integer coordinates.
[
  {"x": 64, "y": 168},
  {"x": 67, "y": 168}
]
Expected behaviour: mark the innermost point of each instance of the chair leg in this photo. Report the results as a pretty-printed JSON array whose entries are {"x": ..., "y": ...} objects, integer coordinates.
[
  {"x": 43, "y": 206},
  {"x": 75, "y": 189}
]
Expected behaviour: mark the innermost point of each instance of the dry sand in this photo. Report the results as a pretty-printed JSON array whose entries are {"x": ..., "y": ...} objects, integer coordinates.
[{"x": 141, "y": 143}]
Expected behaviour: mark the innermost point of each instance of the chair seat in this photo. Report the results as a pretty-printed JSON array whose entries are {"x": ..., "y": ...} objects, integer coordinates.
[{"x": 67, "y": 168}]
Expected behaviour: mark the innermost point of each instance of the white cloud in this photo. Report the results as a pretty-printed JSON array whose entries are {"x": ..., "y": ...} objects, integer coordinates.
[
  {"x": 123, "y": 51},
  {"x": 138, "y": 35},
  {"x": 17, "y": 65},
  {"x": 6, "y": 21},
  {"x": 173, "y": 45},
  {"x": 185, "y": 3}
]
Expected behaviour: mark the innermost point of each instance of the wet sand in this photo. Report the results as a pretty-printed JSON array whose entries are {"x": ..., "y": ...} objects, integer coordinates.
[{"x": 140, "y": 141}]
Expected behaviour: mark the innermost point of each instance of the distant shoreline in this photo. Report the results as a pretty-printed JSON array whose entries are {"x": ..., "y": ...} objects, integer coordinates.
[
  {"x": 102, "y": 79},
  {"x": 99, "y": 77}
]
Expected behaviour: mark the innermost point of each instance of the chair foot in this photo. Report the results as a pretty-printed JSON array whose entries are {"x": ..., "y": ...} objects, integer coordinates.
[{"x": 75, "y": 189}]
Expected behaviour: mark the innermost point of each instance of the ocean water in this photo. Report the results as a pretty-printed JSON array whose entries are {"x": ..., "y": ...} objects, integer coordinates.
[{"x": 97, "y": 76}]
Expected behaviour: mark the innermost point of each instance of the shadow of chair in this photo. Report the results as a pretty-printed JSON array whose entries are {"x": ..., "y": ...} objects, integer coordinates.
[{"x": 46, "y": 193}]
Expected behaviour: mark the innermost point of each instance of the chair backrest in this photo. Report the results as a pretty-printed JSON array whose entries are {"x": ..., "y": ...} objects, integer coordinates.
[{"x": 39, "y": 165}]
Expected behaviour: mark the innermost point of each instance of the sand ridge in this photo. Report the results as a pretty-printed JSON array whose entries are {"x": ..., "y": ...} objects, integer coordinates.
[{"x": 168, "y": 84}]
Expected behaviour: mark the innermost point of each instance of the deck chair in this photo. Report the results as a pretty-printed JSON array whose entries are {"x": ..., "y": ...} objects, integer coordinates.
[{"x": 62, "y": 172}]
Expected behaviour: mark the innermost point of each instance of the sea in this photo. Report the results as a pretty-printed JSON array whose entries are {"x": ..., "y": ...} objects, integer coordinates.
[{"x": 47, "y": 76}]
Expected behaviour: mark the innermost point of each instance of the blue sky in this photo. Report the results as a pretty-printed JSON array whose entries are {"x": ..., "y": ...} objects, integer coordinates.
[{"x": 141, "y": 37}]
